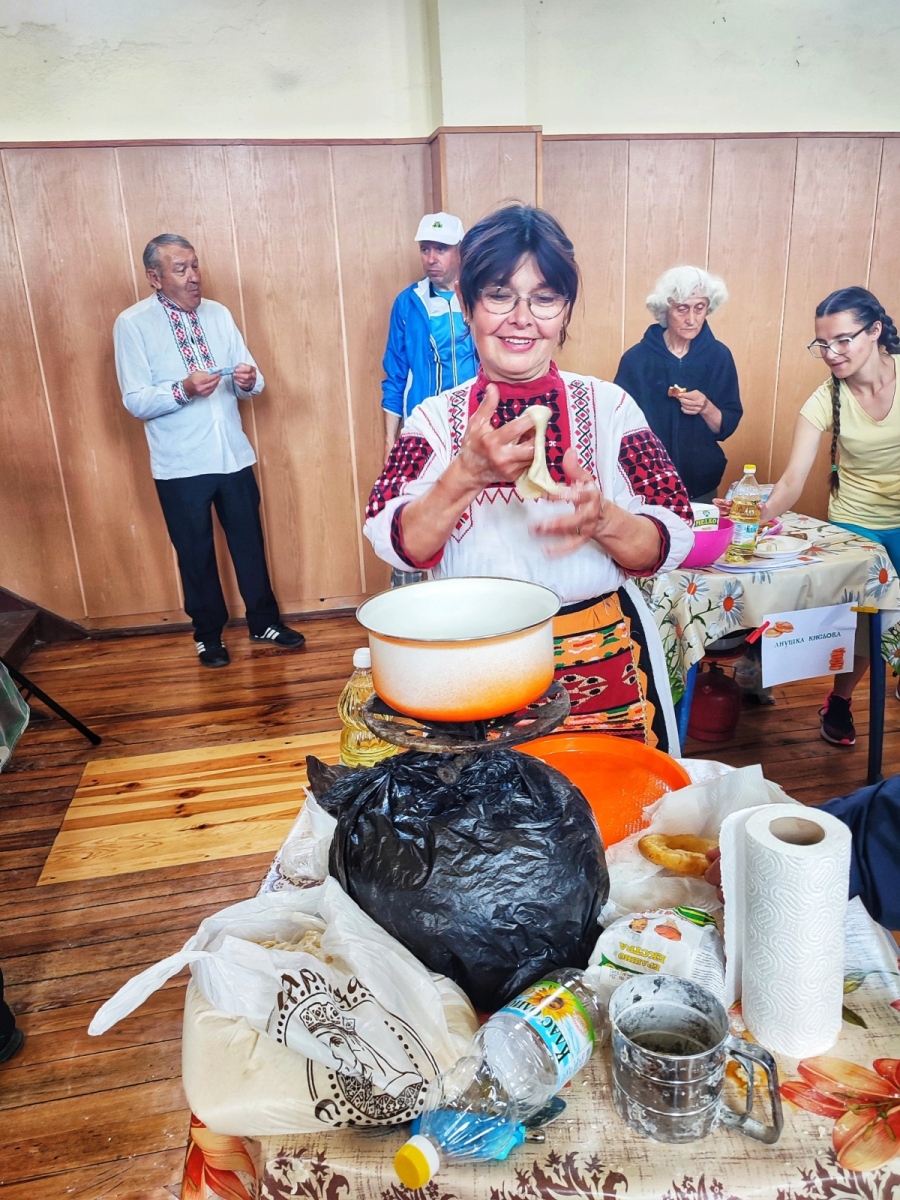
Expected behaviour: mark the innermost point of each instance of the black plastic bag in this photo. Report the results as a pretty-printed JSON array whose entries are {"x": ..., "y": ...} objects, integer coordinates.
[{"x": 489, "y": 869}]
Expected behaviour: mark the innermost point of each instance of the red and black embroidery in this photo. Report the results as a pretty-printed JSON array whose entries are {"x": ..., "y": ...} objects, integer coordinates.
[
  {"x": 187, "y": 341},
  {"x": 651, "y": 473},
  {"x": 408, "y": 459}
]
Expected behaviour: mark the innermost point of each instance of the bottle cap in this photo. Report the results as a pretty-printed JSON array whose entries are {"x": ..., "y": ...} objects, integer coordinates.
[
  {"x": 749, "y": 467},
  {"x": 416, "y": 1162},
  {"x": 362, "y": 659}
]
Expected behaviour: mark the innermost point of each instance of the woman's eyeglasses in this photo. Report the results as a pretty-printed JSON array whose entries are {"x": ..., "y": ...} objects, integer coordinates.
[
  {"x": 543, "y": 304},
  {"x": 839, "y": 346}
]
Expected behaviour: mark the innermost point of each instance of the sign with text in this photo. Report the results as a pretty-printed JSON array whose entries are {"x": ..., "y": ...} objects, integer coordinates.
[{"x": 807, "y": 643}]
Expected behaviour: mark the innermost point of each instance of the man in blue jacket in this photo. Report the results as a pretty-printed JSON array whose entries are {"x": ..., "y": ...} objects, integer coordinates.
[{"x": 429, "y": 347}]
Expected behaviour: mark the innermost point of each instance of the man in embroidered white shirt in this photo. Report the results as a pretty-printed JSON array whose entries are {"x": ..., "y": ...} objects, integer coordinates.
[{"x": 182, "y": 367}]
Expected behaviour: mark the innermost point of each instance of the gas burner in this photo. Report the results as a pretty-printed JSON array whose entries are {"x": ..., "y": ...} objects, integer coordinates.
[{"x": 472, "y": 737}]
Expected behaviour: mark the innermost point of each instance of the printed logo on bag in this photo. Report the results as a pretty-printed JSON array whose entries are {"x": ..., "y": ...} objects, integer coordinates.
[{"x": 377, "y": 1065}]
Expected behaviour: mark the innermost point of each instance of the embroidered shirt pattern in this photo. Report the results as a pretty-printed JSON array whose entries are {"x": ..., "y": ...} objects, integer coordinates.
[
  {"x": 409, "y": 457},
  {"x": 185, "y": 341},
  {"x": 651, "y": 474}
]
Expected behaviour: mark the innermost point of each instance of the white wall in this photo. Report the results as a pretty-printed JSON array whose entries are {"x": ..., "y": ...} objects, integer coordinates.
[
  {"x": 654, "y": 66},
  {"x": 129, "y": 69}
]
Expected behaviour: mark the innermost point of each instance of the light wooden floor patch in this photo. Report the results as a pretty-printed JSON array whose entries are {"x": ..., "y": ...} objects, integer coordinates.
[{"x": 164, "y": 810}]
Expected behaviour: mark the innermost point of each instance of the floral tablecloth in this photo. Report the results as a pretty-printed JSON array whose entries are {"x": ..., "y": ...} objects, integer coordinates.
[
  {"x": 841, "y": 1137},
  {"x": 695, "y": 607}
]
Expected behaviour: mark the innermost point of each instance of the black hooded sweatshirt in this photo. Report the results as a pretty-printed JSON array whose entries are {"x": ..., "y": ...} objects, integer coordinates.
[{"x": 649, "y": 369}]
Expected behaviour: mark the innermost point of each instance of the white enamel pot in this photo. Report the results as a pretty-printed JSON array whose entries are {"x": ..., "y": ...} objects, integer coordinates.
[{"x": 461, "y": 649}]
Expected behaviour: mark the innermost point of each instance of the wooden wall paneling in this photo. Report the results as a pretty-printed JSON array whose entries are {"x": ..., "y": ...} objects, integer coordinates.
[
  {"x": 37, "y": 555},
  {"x": 69, "y": 217},
  {"x": 667, "y": 218},
  {"x": 482, "y": 170},
  {"x": 585, "y": 187},
  {"x": 831, "y": 241},
  {"x": 381, "y": 192},
  {"x": 884, "y": 275},
  {"x": 184, "y": 189},
  {"x": 750, "y": 223},
  {"x": 284, "y": 220}
]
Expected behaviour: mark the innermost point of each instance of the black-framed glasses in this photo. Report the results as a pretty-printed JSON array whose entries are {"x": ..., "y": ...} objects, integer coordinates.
[
  {"x": 839, "y": 346},
  {"x": 544, "y": 304}
]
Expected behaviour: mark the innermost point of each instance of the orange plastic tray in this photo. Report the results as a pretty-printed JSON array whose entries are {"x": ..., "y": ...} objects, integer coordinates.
[{"x": 618, "y": 777}]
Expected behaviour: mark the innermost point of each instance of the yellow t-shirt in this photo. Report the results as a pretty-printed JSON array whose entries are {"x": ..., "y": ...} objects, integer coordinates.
[{"x": 868, "y": 457}]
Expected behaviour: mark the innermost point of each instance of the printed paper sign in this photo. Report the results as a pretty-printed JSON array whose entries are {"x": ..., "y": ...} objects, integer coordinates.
[{"x": 808, "y": 643}]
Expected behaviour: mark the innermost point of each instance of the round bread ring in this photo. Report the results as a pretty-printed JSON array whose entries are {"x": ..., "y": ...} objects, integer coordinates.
[{"x": 680, "y": 853}]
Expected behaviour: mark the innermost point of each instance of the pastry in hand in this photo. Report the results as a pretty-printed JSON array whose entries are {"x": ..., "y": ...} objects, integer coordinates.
[
  {"x": 676, "y": 392},
  {"x": 537, "y": 481}
]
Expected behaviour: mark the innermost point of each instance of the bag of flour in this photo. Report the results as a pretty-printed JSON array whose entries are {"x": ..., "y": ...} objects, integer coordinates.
[{"x": 304, "y": 1014}]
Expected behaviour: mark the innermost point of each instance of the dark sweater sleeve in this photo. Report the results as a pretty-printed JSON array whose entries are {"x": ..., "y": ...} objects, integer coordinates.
[
  {"x": 725, "y": 393},
  {"x": 628, "y": 378},
  {"x": 873, "y": 817}
]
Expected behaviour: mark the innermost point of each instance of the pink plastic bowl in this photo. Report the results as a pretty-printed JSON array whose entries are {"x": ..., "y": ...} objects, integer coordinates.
[{"x": 709, "y": 544}]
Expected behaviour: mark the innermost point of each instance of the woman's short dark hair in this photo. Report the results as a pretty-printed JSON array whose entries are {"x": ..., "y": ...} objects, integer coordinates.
[{"x": 491, "y": 251}]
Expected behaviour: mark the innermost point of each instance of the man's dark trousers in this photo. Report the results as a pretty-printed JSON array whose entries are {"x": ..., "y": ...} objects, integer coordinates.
[{"x": 187, "y": 507}]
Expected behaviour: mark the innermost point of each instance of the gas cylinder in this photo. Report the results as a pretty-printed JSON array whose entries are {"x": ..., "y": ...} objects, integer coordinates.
[{"x": 716, "y": 706}]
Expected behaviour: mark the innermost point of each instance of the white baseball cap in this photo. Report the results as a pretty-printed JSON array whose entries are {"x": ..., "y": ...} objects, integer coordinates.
[{"x": 440, "y": 227}]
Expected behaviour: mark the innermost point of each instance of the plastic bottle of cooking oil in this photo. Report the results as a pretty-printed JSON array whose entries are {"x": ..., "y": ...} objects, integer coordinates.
[
  {"x": 359, "y": 746},
  {"x": 746, "y": 503}
]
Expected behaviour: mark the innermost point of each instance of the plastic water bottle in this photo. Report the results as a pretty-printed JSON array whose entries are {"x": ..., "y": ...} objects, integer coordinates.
[
  {"x": 516, "y": 1063},
  {"x": 746, "y": 503},
  {"x": 359, "y": 746}
]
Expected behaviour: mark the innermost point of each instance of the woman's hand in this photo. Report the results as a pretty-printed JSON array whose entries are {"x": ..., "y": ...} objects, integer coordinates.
[
  {"x": 630, "y": 540},
  {"x": 488, "y": 455},
  {"x": 696, "y": 404},
  {"x": 573, "y": 529},
  {"x": 693, "y": 403}
]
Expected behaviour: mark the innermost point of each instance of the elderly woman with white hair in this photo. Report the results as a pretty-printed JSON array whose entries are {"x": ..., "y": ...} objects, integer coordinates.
[{"x": 685, "y": 381}]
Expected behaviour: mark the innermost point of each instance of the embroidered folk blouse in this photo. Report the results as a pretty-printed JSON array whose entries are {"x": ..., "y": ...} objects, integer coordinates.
[
  {"x": 613, "y": 443},
  {"x": 158, "y": 345}
]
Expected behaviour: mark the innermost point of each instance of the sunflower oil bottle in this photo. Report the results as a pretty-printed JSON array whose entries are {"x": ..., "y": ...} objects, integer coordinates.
[
  {"x": 746, "y": 503},
  {"x": 359, "y": 746},
  {"x": 517, "y": 1062}
]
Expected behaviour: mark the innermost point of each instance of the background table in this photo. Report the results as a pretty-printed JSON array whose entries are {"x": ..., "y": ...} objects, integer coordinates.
[{"x": 694, "y": 608}]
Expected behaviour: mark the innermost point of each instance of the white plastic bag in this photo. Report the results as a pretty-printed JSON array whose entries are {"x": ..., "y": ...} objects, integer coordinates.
[
  {"x": 635, "y": 883},
  {"x": 372, "y": 1025},
  {"x": 304, "y": 853}
]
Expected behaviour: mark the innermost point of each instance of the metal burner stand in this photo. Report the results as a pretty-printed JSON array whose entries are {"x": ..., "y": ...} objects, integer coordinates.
[{"x": 465, "y": 741}]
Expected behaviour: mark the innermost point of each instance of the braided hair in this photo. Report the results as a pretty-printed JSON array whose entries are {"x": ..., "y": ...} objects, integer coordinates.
[{"x": 867, "y": 309}]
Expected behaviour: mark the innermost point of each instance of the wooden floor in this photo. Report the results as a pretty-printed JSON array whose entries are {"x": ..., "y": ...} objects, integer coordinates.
[
  {"x": 99, "y": 1118},
  {"x": 184, "y": 806}
]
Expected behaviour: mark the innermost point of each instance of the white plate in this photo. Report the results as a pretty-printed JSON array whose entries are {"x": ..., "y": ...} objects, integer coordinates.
[
  {"x": 766, "y": 564},
  {"x": 781, "y": 546}
]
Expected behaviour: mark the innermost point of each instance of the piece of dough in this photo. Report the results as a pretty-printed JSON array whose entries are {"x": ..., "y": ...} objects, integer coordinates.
[
  {"x": 680, "y": 853},
  {"x": 536, "y": 481}
]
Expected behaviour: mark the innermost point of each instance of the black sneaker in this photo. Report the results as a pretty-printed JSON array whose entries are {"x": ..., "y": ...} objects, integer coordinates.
[
  {"x": 12, "y": 1045},
  {"x": 213, "y": 654},
  {"x": 837, "y": 721},
  {"x": 280, "y": 635}
]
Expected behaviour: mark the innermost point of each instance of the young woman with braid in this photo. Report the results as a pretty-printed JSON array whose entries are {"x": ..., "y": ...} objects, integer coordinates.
[{"x": 860, "y": 408}]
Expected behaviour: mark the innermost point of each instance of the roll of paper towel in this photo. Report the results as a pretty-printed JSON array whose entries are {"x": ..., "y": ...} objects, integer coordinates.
[{"x": 785, "y": 875}]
